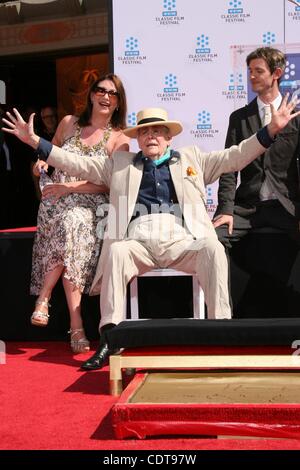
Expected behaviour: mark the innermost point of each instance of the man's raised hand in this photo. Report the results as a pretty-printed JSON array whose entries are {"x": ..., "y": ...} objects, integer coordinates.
[
  {"x": 282, "y": 116},
  {"x": 20, "y": 128}
]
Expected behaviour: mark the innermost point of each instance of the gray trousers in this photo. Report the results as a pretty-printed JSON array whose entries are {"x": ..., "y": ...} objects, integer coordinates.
[{"x": 160, "y": 241}]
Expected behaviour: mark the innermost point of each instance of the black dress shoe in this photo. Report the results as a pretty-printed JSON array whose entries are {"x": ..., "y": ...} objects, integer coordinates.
[{"x": 99, "y": 359}]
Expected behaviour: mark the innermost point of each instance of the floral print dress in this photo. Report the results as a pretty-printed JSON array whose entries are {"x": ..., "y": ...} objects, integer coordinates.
[{"x": 67, "y": 230}]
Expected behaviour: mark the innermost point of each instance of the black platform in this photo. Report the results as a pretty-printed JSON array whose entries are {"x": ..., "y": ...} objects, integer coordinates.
[{"x": 191, "y": 332}]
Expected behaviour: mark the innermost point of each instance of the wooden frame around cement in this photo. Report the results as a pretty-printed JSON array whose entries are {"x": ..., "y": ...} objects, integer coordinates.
[{"x": 117, "y": 362}]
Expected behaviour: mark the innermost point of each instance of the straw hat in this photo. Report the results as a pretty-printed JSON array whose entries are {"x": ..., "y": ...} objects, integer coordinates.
[{"x": 153, "y": 117}]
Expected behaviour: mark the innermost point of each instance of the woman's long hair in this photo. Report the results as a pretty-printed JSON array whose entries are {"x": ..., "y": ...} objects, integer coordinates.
[{"x": 118, "y": 119}]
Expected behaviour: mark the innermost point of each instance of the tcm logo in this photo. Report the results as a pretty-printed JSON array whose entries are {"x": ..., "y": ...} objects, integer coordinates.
[
  {"x": 169, "y": 15},
  {"x": 169, "y": 8},
  {"x": 209, "y": 195},
  {"x": 210, "y": 202},
  {"x": 235, "y": 6},
  {"x": 131, "y": 119},
  {"x": 203, "y": 128},
  {"x": 269, "y": 38},
  {"x": 203, "y": 51},
  {"x": 294, "y": 13},
  {"x": 204, "y": 120},
  {"x": 291, "y": 78},
  {"x": 236, "y": 82},
  {"x": 290, "y": 70},
  {"x": 171, "y": 90},
  {"x": 170, "y": 84},
  {"x": 202, "y": 45},
  {"x": 131, "y": 47},
  {"x": 131, "y": 55},
  {"x": 236, "y": 88},
  {"x": 235, "y": 13},
  {"x": 297, "y": 3}
]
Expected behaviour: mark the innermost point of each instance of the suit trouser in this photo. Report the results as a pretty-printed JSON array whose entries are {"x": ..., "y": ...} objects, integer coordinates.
[
  {"x": 267, "y": 214},
  {"x": 270, "y": 214},
  {"x": 160, "y": 241}
]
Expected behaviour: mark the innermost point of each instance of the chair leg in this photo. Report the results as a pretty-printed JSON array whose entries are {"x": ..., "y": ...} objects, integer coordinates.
[
  {"x": 198, "y": 296},
  {"x": 198, "y": 300},
  {"x": 134, "y": 300}
]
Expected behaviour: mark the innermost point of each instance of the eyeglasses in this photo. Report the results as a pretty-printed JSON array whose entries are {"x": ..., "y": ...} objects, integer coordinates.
[
  {"x": 155, "y": 131},
  {"x": 100, "y": 91}
]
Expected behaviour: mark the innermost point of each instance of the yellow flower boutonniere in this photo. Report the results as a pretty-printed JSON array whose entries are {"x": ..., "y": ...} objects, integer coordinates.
[
  {"x": 190, "y": 171},
  {"x": 192, "y": 176}
]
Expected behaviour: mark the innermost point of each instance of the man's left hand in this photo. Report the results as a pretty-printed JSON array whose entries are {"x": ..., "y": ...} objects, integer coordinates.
[{"x": 282, "y": 116}]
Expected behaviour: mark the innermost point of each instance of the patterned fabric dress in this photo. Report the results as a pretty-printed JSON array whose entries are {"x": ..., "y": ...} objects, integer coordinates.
[{"x": 66, "y": 231}]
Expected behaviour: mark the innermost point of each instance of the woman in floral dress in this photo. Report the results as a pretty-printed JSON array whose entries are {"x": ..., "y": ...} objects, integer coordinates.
[{"x": 66, "y": 243}]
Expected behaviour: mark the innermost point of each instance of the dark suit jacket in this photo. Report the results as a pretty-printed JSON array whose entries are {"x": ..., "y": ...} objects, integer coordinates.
[{"x": 279, "y": 161}]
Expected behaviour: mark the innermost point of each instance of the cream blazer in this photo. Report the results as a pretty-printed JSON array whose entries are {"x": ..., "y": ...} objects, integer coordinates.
[{"x": 191, "y": 171}]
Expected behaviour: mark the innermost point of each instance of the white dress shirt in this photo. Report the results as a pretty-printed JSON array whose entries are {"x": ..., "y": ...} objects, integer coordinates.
[{"x": 266, "y": 192}]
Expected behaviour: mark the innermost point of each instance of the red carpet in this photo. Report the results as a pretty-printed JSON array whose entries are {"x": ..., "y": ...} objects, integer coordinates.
[
  {"x": 19, "y": 229},
  {"x": 46, "y": 402}
]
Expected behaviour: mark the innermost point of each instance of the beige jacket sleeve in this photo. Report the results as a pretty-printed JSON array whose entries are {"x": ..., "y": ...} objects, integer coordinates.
[
  {"x": 235, "y": 158},
  {"x": 93, "y": 169}
]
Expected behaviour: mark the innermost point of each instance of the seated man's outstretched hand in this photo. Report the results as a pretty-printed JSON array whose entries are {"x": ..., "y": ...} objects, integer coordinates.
[
  {"x": 21, "y": 129},
  {"x": 282, "y": 116}
]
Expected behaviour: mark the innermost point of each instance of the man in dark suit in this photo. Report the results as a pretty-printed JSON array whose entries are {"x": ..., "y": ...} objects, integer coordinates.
[{"x": 268, "y": 194}]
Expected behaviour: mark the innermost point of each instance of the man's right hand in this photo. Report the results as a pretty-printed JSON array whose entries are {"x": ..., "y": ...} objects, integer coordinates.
[
  {"x": 21, "y": 129},
  {"x": 224, "y": 219}
]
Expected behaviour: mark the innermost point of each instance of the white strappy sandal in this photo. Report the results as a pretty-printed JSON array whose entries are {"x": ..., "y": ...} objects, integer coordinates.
[
  {"x": 80, "y": 345},
  {"x": 39, "y": 318}
]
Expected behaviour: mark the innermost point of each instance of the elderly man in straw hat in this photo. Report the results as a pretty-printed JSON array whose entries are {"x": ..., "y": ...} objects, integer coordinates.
[{"x": 157, "y": 215}]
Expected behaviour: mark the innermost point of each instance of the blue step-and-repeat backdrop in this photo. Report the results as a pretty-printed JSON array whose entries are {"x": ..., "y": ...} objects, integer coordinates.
[{"x": 189, "y": 57}]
